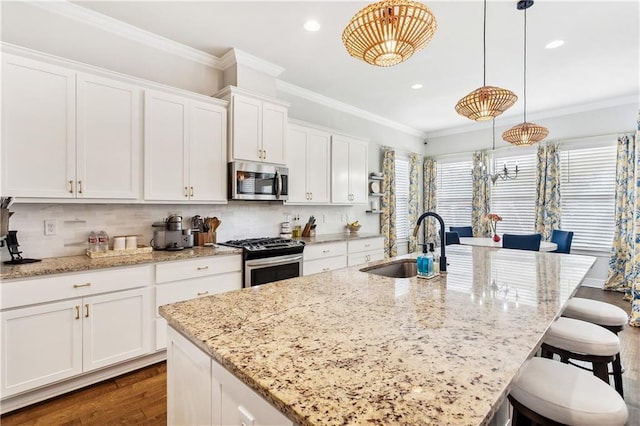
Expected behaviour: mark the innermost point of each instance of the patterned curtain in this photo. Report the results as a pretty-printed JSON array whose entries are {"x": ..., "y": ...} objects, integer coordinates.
[
  {"x": 388, "y": 202},
  {"x": 481, "y": 195},
  {"x": 624, "y": 261},
  {"x": 547, "y": 209},
  {"x": 414, "y": 177},
  {"x": 429, "y": 188}
]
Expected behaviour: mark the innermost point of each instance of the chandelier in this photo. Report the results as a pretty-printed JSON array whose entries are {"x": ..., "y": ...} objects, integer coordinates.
[
  {"x": 492, "y": 174},
  {"x": 486, "y": 102},
  {"x": 389, "y": 32},
  {"x": 525, "y": 134}
]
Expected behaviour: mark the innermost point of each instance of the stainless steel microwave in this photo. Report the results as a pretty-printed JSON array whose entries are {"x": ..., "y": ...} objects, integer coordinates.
[{"x": 258, "y": 181}]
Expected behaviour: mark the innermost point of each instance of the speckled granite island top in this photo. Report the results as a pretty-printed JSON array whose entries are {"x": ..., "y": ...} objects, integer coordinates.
[
  {"x": 66, "y": 264},
  {"x": 332, "y": 238},
  {"x": 350, "y": 347}
]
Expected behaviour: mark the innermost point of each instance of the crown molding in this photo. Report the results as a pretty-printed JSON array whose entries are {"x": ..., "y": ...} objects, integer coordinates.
[
  {"x": 341, "y": 106},
  {"x": 541, "y": 115},
  {"x": 122, "y": 29},
  {"x": 258, "y": 64}
]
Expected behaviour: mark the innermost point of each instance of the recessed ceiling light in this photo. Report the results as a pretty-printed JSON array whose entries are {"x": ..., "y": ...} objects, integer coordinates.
[
  {"x": 311, "y": 25},
  {"x": 553, "y": 44},
  {"x": 416, "y": 86}
]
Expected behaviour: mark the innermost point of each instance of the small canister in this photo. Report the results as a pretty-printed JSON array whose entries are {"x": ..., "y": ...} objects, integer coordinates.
[
  {"x": 131, "y": 242},
  {"x": 119, "y": 243}
]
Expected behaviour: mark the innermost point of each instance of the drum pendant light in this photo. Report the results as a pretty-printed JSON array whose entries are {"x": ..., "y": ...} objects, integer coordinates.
[
  {"x": 525, "y": 134},
  {"x": 487, "y": 102},
  {"x": 389, "y": 32}
]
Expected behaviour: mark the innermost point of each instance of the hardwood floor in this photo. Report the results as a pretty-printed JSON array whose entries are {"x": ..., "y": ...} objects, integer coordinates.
[{"x": 140, "y": 397}]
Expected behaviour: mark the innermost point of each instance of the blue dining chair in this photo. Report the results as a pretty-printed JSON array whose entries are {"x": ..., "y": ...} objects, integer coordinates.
[
  {"x": 451, "y": 238},
  {"x": 522, "y": 242},
  {"x": 562, "y": 239},
  {"x": 463, "y": 231}
]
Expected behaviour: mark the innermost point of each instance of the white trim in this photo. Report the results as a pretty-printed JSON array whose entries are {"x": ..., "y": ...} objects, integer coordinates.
[
  {"x": 605, "y": 103},
  {"x": 258, "y": 64},
  {"x": 122, "y": 29},
  {"x": 341, "y": 106},
  {"x": 593, "y": 282}
]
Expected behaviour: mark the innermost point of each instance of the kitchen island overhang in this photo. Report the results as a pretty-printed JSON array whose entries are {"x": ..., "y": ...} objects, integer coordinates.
[{"x": 349, "y": 347}]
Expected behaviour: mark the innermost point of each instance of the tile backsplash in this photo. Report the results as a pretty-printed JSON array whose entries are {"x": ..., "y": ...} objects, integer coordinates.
[{"x": 241, "y": 219}]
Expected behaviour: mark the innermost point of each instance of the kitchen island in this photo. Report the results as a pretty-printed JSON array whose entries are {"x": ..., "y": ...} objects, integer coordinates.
[{"x": 351, "y": 347}]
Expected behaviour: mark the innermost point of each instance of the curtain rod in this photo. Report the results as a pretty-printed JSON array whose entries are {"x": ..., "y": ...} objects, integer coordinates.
[{"x": 451, "y": 154}]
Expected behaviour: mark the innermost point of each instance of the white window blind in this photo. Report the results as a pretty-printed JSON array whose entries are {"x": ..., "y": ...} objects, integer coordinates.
[
  {"x": 514, "y": 200},
  {"x": 588, "y": 195},
  {"x": 454, "y": 193},
  {"x": 402, "y": 198}
]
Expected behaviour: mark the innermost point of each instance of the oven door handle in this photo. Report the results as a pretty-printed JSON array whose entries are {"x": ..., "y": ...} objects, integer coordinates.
[
  {"x": 279, "y": 260},
  {"x": 278, "y": 184}
]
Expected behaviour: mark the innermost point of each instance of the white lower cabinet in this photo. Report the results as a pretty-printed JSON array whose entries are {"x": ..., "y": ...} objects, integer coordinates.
[
  {"x": 188, "y": 279},
  {"x": 323, "y": 257},
  {"x": 43, "y": 343},
  {"x": 365, "y": 250},
  {"x": 201, "y": 391}
]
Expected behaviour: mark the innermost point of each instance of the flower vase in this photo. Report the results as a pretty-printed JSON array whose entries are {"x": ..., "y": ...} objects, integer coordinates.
[{"x": 496, "y": 238}]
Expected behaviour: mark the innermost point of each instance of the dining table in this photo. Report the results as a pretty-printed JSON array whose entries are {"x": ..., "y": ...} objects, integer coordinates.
[{"x": 488, "y": 242}]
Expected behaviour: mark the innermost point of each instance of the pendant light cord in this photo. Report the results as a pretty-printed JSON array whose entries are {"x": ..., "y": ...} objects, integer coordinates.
[
  {"x": 484, "y": 46},
  {"x": 525, "y": 65}
]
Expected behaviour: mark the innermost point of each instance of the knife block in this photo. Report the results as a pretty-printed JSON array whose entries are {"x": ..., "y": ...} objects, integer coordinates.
[{"x": 206, "y": 238}]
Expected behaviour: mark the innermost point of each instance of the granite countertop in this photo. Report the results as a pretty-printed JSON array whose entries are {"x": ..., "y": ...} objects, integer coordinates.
[
  {"x": 60, "y": 265},
  {"x": 349, "y": 347},
  {"x": 332, "y": 238}
]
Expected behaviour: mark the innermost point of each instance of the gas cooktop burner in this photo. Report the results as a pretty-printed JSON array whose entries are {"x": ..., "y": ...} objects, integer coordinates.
[{"x": 264, "y": 243}]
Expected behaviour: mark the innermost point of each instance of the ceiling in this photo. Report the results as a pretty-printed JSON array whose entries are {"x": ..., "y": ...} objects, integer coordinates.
[{"x": 597, "y": 64}]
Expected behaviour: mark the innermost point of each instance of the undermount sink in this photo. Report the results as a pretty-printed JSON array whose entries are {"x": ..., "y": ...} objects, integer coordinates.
[{"x": 405, "y": 268}]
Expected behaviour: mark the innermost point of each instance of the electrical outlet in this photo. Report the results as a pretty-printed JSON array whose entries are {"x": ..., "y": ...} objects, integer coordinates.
[
  {"x": 50, "y": 227},
  {"x": 325, "y": 219}
]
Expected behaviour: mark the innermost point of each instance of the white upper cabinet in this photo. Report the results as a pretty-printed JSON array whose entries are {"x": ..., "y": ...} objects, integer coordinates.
[
  {"x": 348, "y": 170},
  {"x": 185, "y": 149},
  {"x": 68, "y": 134},
  {"x": 308, "y": 162},
  {"x": 257, "y": 126}
]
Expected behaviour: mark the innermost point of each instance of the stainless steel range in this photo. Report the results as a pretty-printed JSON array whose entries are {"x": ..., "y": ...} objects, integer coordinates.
[{"x": 269, "y": 259}]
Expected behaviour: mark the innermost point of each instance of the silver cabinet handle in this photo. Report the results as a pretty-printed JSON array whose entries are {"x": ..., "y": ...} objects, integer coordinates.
[
  {"x": 70, "y": 187},
  {"x": 203, "y": 293},
  {"x": 202, "y": 268},
  {"x": 79, "y": 187},
  {"x": 191, "y": 191},
  {"x": 326, "y": 269},
  {"x": 186, "y": 192},
  {"x": 326, "y": 251}
]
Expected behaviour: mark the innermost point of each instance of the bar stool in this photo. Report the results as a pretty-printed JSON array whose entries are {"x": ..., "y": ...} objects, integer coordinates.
[
  {"x": 574, "y": 339},
  {"x": 605, "y": 315},
  {"x": 547, "y": 392}
]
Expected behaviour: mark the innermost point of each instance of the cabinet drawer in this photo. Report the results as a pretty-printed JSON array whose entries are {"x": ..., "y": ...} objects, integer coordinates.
[
  {"x": 365, "y": 257},
  {"x": 197, "y": 287},
  {"x": 66, "y": 286},
  {"x": 202, "y": 267},
  {"x": 324, "y": 265},
  {"x": 366, "y": 244},
  {"x": 321, "y": 251}
]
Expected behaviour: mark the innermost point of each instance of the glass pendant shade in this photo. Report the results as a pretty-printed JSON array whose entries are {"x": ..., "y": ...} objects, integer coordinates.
[
  {"x": 486, "y": 103},
  {"x": 389, "y": 32},
  {"x": 525, "y": 134}
]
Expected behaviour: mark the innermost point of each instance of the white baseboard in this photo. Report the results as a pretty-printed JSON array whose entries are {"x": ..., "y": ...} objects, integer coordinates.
[{"x": 593, "y": 282}]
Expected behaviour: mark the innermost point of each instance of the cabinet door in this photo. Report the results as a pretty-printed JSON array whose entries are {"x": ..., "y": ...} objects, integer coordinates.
[
  {"x": 340, "y": 170},
  {"x": 207, "y": 152},
  {"x": 108, "y": 144},
  {"x": 41, "y": 344},
  {"x": 247, "y": 128},
  {"x": 165, "y": 147},
  {"x": 297, "y": 164},
  {"x": 274, "y": 132},
  {"x": 38, "y": 129},
  {"x": 318, "y": 166},
  {"x": 117, "y": 326},
  {"x": 358, "y": 171}
]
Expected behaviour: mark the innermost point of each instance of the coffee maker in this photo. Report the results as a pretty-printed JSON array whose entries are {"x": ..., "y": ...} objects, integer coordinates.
[{"x": 170, "y": 235}]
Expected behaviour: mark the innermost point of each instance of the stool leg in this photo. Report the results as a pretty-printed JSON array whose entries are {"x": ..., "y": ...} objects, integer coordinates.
[
  {"x": 617, "y": 375},
  {"x": 601, "y": 371},
  {"x": 545, "y": 352}
]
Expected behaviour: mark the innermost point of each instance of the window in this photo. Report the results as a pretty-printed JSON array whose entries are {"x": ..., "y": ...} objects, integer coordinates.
[
  {"x": 515, "y": 200},
  {"x": 402, "y": 198},
  {"x": 454, "y": 194},
  {"x": 587, "y": 189}
]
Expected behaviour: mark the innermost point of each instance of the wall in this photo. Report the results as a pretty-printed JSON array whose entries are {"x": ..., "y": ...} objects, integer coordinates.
[{"x": 593, "y": 120}]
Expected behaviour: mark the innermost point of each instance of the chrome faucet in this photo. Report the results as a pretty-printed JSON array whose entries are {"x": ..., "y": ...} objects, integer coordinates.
[{"x": 443, "y": 258}]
